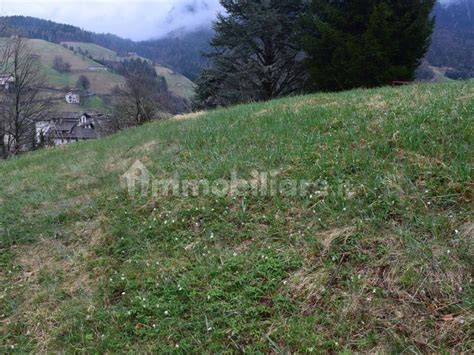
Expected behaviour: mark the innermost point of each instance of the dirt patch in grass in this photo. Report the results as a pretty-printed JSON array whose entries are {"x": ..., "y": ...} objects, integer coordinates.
[
  {"x": 307, "y": 285},
  {"x": 189, "y": 116},
  {"x": 52, "y": 268},
  {"x": 420, "y": 160},
  {"x": 467, "y": 231},
  {"x": 467, "y": 97},
  {"x": 263, "y": 112},
  {"x": 149, "y": 146},
  {"x": 376, "y": 103},
  {"x": 327, "y": 238}
]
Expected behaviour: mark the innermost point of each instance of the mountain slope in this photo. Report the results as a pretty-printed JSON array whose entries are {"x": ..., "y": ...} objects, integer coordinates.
[
  {"x": 102, "y": 82},
  {"x": 178, "y": 84},
  {"x": 452, "y": 44},
  {"x": 84, "y": 59},
  {"x": 181, "y": 50},
  {"x": 453, "y": 39},
  {"x": 376, "y": 257},
  {"x": 94, "y": 50},
  {"x": 57, "y": 83}
]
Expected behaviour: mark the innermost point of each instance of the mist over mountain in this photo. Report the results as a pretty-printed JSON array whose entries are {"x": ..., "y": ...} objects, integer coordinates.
[
  {"x": 135, "y": 19},
  {"x": 189, "y": 32},
  {"x": 190, "y": 15}
]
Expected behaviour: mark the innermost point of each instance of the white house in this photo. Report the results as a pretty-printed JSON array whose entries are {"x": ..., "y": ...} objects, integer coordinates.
[
  {"x": 6, "y": 80},
  {"x": 97, "y": 68},
  {"x": 72, "y": 98}
]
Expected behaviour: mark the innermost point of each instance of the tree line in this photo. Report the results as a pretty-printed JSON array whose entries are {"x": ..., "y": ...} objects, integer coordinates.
[
  {"x": 264, "y": 49},
  {"x": 452, "y": 44}
]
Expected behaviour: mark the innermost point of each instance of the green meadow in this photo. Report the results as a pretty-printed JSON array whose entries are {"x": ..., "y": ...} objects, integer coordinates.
[{"x": 377, "y": 255}]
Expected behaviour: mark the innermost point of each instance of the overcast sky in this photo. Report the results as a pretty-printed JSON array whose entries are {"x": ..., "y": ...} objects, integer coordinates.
[{"x": 135, "y": 19}]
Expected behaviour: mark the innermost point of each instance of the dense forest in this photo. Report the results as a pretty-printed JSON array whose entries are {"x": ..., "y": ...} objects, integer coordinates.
[{"x": 452, "y": 41}]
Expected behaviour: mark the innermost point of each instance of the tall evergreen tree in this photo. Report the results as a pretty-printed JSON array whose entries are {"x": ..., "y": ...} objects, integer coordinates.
[
  {"x": 256, "y": 54},
  {"x": 365, "y": 43}
]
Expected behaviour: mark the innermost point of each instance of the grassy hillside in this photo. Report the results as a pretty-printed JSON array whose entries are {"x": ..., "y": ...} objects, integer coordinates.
[
  {"x": 377, "y": 257},
  {"x": 177, "y": 83},
  {"x": 96, "y": 51},
  {"x": 101, "y": 82}
]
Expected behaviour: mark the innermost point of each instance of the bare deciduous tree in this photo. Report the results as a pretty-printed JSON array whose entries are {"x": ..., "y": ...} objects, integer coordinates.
[
  {"x": 23, "y": 102},
  {"x": 60, "y": 65},
  {"x": 136, "y": 102}
]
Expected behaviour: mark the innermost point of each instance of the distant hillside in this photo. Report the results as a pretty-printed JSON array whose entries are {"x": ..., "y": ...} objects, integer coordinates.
[
  {"x": 453, "y": 39},
  {"x": 178, "y": 84},
  {"x": 102, "y": 82},
  {"x": 50, "y": 31},
  {"x": 181, "y": 50},
  {"x": 452, "y": 42},
  {"x": 86, "y": 59}
]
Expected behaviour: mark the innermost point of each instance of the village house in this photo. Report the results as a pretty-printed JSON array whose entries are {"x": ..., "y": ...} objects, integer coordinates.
[
  {"x": 73, "y": 98},
  {"x": 70, "y": 127},
  {"x": 97, "y": 68},
  {"x": 6, "y": 80}
]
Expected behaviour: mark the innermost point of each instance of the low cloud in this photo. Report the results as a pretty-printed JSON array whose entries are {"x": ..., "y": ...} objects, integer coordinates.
[{"x": 135, "y": 19}]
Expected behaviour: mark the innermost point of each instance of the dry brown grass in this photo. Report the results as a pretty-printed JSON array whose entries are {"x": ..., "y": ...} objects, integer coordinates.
[
  {"x": 379, "y": 294},
  {"x": 377, "y": 103},
  {"x": 327, "y": 238},
  {"x": 467, "y": 97},
  {"x": 53, "y": 267},
  {"x": 418, "y": 159},
  {"x": 263, "y": 112},
  {"x": 189, "y": 116}
]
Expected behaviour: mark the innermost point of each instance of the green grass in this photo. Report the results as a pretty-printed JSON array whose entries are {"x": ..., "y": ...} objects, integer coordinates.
[
  {"x": 96, "y": 51},
  {"x": 93, "y": 103},
  {"x": 177, "y": 84},
  {"x": 378, "y": 258}
]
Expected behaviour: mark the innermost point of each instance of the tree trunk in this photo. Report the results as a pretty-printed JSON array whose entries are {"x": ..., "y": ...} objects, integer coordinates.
[{"x": 3, "y": 148}]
